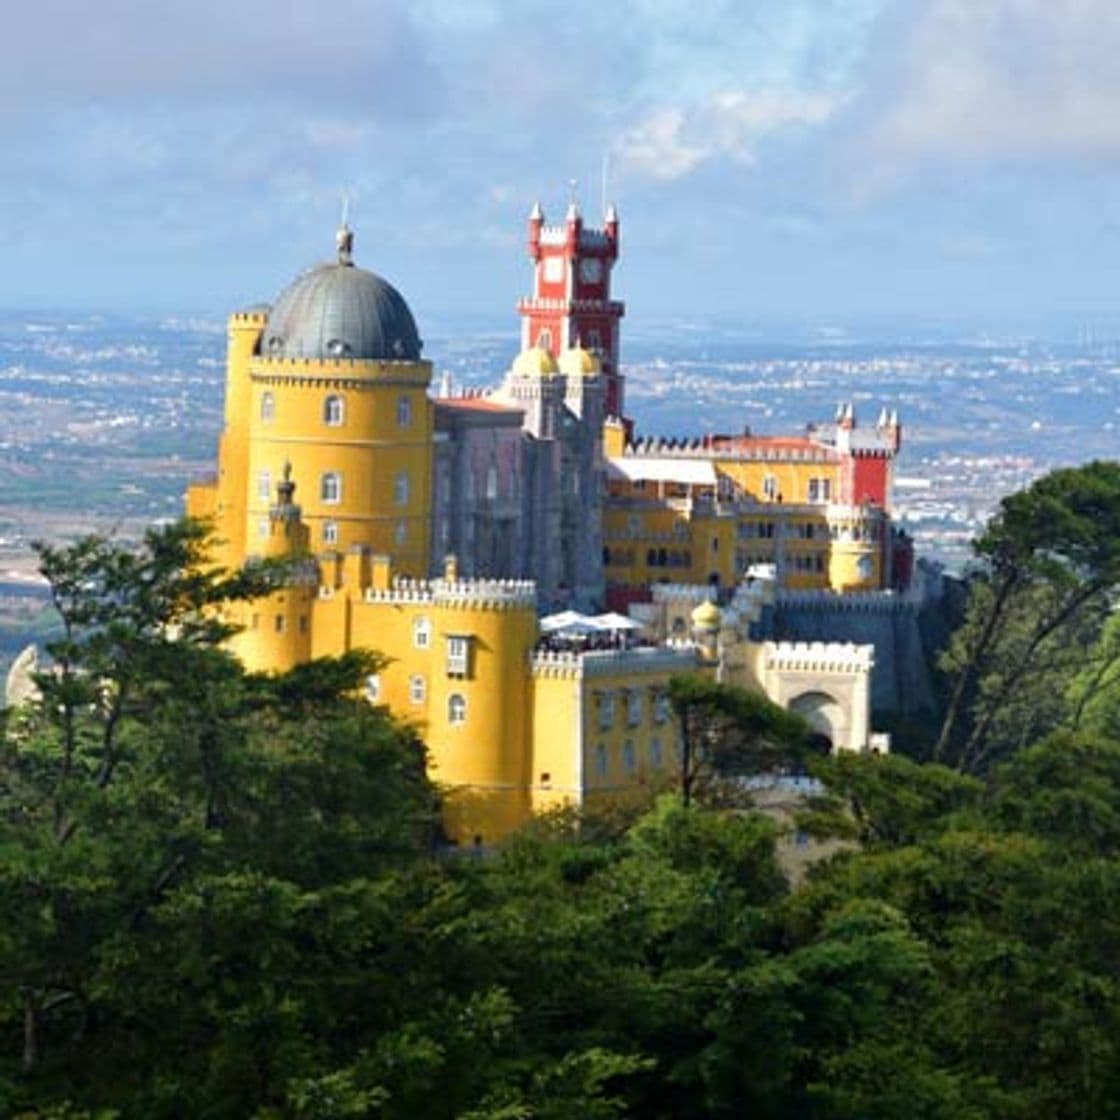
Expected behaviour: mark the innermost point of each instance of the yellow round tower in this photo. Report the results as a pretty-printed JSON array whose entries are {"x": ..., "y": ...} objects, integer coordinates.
[{"x": 338, "y": 390}]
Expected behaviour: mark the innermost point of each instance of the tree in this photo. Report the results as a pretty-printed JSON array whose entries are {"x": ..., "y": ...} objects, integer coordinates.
[
  {"x": 153, "y": 776},
  {"x": 1048, "y": 565},
  {"x": 728, "y": 732}
]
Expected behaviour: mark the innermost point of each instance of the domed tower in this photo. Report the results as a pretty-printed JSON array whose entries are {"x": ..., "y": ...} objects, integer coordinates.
[{"x": 335, "y": 386}]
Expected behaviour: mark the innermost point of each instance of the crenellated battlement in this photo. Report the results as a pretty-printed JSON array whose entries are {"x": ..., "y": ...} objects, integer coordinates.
[
  {"x": 262, "y": 367},
  {"x": 866, "y": 602},
  {"x": 818, "y": 657},
  {"x": 484, "y": 594},
  {"x": 679, "y": 658}
]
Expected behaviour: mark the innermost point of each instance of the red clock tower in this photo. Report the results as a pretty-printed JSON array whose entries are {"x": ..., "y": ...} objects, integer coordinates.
[{"x": 571, "y": 304}]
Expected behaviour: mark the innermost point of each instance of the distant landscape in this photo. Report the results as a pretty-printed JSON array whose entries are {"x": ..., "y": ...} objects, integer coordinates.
[{"x": 104, "y": 419}]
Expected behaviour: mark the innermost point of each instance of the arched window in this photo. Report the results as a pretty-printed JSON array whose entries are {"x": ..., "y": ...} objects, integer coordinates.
[
  {"x": 601, "y": 760},
  {"x": 456, "y": 709},
  {"x": 629, "y": 757},
  {"x": 264, "y": 486},
  {"x": 400, "y": 533},
  {"x": 417, "y": 689},
  {"x": 268, "y": 407},
  {"x": 544, "y": 340},
  {"x": 400, "y": 489},
  {"x": 491, "y": 482},
  {"x": 330, "y": 487},
  {"x": 330, "y": 532},
  {"x": 333, "y": 410},
  {"x": 421, "y": 633},
  {"x": 655, "y": 751},
  {"x": 404, "y": 412}
]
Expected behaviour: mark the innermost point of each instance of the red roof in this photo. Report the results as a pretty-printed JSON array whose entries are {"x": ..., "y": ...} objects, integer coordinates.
[{"x": 475, "y": 404}]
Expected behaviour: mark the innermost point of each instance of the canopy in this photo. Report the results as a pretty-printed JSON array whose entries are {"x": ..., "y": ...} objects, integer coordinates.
[
  {"x": 612, "y": 620},
  {"x": 570, "y": 622}
]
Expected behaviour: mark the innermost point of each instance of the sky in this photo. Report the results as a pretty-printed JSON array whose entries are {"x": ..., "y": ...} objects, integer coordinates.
[{"x": 770, "y": 159}]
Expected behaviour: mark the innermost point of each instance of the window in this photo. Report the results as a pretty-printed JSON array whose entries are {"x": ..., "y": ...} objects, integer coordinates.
[
  {"x": 262, "y": 527},
  {"x": 417, "y": 689},
  {"x": 400, "y": 532},
  {"x": 400, "y": 489},
  {"x": 606, "y": 710},
  {"x": 458, "y": 656},
  {"x": 655, "y": 751},
  {"x": 634, "y": 708},
  {"x": 491, "y": 482},
  {"x": 330, "y": 487},
  {"x": 303, "y": 624},
  {"x": 594, "y": 340},
  {"x": 661, "y": 707},
  {"x": 404, "y": 412},
  {"x": 770, "y": 487},
  {"x": 333, "y": 411},
  {"x": 820, "y": 489},
  {"x": 264, "y": 486},
  {"x": 330, "y": 532},
  {"x": 268, "y": 407},
  {"x": 421, "y": 633},
  {"x": 278, "y": 624},
  {"x": 601, "y": 760},
  {"x": 373, "y": 688},
  {"x": 456, "y": 709},
  {"x": 544, "y": 340},
  {"x": 629, "y": 757}
]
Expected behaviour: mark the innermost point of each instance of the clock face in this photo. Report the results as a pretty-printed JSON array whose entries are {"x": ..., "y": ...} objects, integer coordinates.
[{"x": 590, "y": 270}]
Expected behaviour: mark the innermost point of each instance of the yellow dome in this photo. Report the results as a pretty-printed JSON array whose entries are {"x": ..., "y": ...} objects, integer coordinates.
[
  {"x": 534, "y": 362},
  {"x": 706, "y": 616},
  {"x": 578, "y": 362}
]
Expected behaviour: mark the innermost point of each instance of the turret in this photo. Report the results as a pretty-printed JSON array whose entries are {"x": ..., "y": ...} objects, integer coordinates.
[
  {"x": 536, "y": 222},
  {"x": 610, "y": 228},
  {"x": 573, "y": 223}
]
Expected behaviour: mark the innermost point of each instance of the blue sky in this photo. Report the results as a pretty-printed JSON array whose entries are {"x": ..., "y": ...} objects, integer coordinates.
[{"x": 774, "y": 159}]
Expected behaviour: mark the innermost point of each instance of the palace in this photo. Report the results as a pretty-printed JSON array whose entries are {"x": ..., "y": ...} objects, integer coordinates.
[{"x": 438, "y": 530}]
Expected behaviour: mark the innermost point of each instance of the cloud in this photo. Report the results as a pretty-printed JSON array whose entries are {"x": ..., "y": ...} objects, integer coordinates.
[
  {"x": 358, "y": 53},
  {"x": 672, "y": 141},
  {"x": 989, "y": 81}
]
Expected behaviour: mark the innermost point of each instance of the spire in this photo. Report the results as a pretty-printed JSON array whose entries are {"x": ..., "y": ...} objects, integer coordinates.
[
  {"x": 573, "y": 214},
  {"x": 285, "y": 508},
  {"x": 536, "y": 214},
  {"x": 344, "y": 235},
  {"x": 611, "y": 214}
]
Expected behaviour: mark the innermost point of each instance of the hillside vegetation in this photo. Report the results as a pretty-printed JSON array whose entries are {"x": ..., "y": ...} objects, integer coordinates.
[{"x": 224, "y": 895}]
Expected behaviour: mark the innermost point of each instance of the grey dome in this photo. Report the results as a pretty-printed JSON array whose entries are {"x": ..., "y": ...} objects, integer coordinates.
[{"x": 335, "y": 310}]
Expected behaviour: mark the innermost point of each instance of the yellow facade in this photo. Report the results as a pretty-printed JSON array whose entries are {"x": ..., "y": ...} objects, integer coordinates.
[{"x": 326, "y": 458}]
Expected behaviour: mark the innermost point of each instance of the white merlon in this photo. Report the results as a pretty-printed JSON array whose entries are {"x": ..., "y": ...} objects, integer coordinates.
[
  {"x": 818, "y": 657},
  {"x": 608, "y": 662}
]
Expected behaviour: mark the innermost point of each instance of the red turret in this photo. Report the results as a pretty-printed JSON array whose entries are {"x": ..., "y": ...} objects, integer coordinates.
[{"x": 536, "y": 221}]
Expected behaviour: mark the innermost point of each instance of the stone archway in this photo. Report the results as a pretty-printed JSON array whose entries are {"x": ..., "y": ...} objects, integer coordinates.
[{"x": 826, "y": 715}]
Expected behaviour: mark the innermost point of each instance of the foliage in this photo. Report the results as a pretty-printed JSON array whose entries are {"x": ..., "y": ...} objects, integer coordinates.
[
  {"x": 246, "y": 918},
  {"x": 1048, "y": 566},
  {"x": 729, "y": 732}
]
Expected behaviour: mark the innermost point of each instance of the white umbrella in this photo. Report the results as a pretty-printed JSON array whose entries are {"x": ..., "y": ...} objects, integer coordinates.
[
  {"x": 612, "y": 620},
  {"x": 568, "y": 622}
]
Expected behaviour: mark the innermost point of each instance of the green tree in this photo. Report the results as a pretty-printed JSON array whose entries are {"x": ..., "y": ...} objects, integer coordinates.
[
  {"x": 728, "y": 732},
  {"x": 1047, "y": 569}
]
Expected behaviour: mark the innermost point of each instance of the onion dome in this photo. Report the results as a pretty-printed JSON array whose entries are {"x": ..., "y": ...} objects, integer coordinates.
[
  {"x": 706, "y": 616},
  {"x": 336, "y": 310},
  {"x": 578, "y": 362},
  {"x": 534, "y": 362}
]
